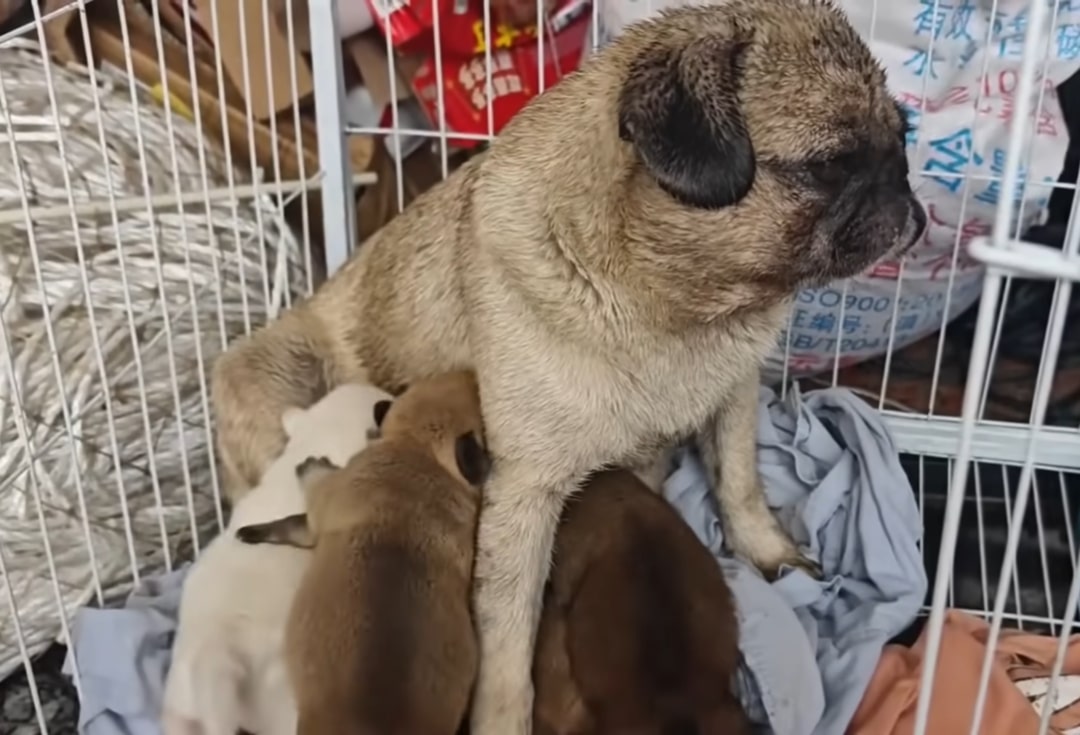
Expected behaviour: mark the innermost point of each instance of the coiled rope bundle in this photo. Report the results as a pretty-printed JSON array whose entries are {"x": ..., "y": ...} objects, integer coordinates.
[{"x": 110, "y": 321}]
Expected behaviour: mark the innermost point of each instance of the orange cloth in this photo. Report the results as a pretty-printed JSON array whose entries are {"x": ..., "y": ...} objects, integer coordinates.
[{"x": 1021, "y": 660}]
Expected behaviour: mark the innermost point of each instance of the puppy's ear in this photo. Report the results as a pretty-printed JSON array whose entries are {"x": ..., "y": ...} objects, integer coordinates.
[
  {"x": 288, "y": 531},
  {"x": 380, "y": 410},
  {"x": 313, "y": 469},
  {"x": 681, "y": 112},
  {"x": 472, "y": 459}
]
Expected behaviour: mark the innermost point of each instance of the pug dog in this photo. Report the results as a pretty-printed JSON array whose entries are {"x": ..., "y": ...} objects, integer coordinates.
[{"x": 615, "y": 269}]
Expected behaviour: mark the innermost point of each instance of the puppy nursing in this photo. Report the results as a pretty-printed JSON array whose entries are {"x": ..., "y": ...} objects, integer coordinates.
[
  {"x": 380, "y": 639},
  {"x": 638, "y": 634},
  {"x": 228, "y": 669}
]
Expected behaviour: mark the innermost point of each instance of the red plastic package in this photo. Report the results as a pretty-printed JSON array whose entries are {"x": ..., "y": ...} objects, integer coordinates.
[
  {"x": 515, "y": 59},
  {"x": 411, "y": 23}
]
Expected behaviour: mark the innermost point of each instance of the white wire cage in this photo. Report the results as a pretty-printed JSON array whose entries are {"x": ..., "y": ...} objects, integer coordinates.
[{"x": 125, "y": 285}]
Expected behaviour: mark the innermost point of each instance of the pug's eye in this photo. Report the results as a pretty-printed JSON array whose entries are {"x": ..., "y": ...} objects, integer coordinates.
[{"x": 828, "y": 173}]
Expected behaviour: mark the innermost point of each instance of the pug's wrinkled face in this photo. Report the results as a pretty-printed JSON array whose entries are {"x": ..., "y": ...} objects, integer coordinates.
[{"x": 766, "y": 128}]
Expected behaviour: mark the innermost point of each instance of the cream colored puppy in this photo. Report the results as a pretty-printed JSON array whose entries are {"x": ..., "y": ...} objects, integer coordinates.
[{"x": 228, "y": 668}]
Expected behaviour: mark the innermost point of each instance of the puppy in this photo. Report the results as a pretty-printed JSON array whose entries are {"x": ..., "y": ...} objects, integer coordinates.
[
  {"x": 615, "y": 269},
  {"x": 638, "y": 635},
  {"x": 380, "y": 639},
  {"x": 228, "y": 668}
]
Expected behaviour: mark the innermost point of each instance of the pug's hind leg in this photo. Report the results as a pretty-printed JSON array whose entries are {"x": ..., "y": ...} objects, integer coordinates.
[{"x": 728, "y": 445}]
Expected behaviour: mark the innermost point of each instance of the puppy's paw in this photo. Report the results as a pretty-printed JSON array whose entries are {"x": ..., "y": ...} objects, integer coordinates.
[
  {"x": 766, "y": 545},
  {"x": 256, "y": 534}
]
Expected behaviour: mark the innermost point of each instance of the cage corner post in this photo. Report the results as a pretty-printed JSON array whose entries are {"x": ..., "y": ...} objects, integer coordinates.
[{"x": 338, "y": 195}]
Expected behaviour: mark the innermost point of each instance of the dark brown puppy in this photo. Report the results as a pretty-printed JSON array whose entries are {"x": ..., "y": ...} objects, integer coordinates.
[
  {"x": 380, "y": 639},
  {"x": 638, "y": 635}
]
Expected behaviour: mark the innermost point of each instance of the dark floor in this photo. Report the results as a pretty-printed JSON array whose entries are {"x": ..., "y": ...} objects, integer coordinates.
[{"x": 59, "y": 704}]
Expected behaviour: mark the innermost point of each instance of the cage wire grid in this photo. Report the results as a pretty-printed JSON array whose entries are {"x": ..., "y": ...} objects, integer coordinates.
[
  {"x": 965, "y": 470},
  {"x": 176, "y": 191}
]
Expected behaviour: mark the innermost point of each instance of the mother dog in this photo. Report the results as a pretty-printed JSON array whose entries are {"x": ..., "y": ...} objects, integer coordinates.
[{"x": 615, "y": 269}]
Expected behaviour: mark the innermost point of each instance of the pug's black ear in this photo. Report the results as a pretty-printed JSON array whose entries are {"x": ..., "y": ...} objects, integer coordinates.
[
  {"x": 472, "y": 459},
  {"x": 381, "y": 407},
  {"x": 681, "y": 112}
]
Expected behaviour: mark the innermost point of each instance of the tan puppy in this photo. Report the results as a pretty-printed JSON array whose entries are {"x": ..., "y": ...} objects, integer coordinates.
[
  {"x": 614, "y": 269},
  {"x": 638, "y": 634},
  {"x": 380, "y": 639}
]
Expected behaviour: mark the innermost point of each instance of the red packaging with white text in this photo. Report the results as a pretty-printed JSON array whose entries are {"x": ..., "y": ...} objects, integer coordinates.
[
  {"x": 515, "y": 79},
  {"x": 410, "y": 25}
]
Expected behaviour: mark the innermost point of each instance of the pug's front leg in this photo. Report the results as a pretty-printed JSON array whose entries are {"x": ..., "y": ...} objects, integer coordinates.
[
  {"x": 728, "y": 445},
  {"x": 513, "y": 556}
]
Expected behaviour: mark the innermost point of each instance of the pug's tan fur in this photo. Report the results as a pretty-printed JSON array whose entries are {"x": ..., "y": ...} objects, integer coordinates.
[
  {"x": 638, "y": 634},
  {"x": 615, "y": 269},
  {"x": 380, "y": 638}
]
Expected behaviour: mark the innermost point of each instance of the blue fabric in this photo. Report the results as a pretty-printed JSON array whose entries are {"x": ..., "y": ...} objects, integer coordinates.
[
  {"x": 123, "y": 655},
  {"x": 833, "y": 477}
]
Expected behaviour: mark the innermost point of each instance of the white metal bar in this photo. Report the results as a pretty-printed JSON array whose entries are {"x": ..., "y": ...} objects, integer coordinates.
[
  {"x": 418, "y": 132},
  {"x": 305, "y": 213},
  {"x": 440, "y": 90},
  {"x": 395, "y": 120},
  {"x": 991, "y": 441},
  {"x": 338, "y": 207},
  {"x": 1024, "y": 259},
  {"x": 1043, "y": 561},
  {"x": 1014, "y": 519},
  {"x": 275, "y": 151},
  {"x": 20, "y": 640},
  {"x": 489, "y": 90},
  {"x": 230, "y": 170},
  {"x": 171, "y": 201},
  {"x": 256, "y": 170}
]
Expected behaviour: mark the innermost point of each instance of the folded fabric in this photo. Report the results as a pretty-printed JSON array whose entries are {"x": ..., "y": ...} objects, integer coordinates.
[
  {"x": 833, "y": 477},
  {"x": 1017, "y": 693},
  {"x": 123, "y": 656}
]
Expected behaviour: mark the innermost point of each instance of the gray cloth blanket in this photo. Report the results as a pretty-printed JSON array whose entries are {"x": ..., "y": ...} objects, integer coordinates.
[
  {"x": 123, "y": 656},
  {"x": 833, "y": 477}
]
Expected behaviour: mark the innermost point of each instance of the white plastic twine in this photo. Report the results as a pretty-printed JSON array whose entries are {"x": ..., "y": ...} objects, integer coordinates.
[{"x": 200, "y": 271}]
